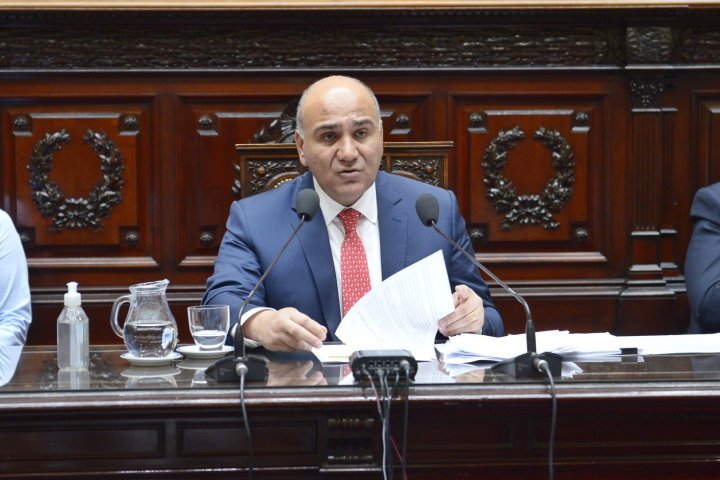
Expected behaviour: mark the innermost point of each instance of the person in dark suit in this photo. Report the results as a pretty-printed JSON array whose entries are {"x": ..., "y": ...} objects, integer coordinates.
[
  {"x": 702, "y": 265},
  {"x": 339, "y": 139}
]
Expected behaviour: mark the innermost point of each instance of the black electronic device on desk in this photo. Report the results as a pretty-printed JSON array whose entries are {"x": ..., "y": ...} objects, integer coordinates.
[{"x": 371, "y": 365}]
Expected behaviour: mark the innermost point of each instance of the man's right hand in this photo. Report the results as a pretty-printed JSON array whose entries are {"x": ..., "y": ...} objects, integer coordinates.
[{"x": 284, "y": 330}]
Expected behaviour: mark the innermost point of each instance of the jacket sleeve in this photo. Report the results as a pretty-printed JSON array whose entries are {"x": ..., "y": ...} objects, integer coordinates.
[{"x": 702, "y": 264}]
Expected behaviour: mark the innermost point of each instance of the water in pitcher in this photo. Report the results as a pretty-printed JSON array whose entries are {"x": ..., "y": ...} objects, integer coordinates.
[{"x": 149, "y": 339}]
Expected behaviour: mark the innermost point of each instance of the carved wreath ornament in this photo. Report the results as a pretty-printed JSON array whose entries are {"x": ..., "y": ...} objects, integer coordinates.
[
  {"x": 529, "y": 209},
  {"x": 80, "y": 212}
]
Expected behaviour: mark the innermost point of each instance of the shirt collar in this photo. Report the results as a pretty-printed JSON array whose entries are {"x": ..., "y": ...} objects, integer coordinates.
[{"x": 366, "y": 204}]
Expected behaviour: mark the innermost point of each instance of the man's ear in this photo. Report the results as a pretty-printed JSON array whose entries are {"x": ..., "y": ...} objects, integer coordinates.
[{"x": 300, "y": 143}]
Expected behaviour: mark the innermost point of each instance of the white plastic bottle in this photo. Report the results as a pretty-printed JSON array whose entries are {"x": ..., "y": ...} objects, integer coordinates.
[{"x": 73, "y": 332}]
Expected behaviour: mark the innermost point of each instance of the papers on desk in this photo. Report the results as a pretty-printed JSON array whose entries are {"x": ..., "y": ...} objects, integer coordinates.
[
  {"x": 402, "y": 312},
  {"x": 577, "y": 347},
  {"x": 669, "y": 344}
]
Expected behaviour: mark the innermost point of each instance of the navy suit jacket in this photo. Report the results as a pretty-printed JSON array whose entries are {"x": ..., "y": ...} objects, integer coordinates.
[
  {"x": 304, "y": 277},
  {"x": 702, "y": 265}
]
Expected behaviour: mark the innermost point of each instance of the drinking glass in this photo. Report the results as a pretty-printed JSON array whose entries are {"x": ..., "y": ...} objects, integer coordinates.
[{"x": 209, "y": 325}]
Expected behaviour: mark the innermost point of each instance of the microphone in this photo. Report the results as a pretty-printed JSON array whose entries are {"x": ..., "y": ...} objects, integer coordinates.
[
  {"x": 527, "y": 365},
  {"x": 228, "y": 369}
]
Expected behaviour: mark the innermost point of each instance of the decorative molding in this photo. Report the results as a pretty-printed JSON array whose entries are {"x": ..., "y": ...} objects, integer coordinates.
[
  {"x": 648, "y": 45},
  {"x": 64, "y": 263},
  {"x": 132, "y": 238},
  {"x": 700, "y": 45},
  {"x": 402, "y": 124},
  {"x": 233, "y": 5},
  {"x": 581, "y": 234},
  {"x": 477, "y": 121},
  {"x": 130, "y": 123},
  {"x": 283, "y": 46},
  {"x": 581, "y": 121},
  {"x": 263, "y": 174},
  {"x": 421, "y": 168},
  {"x": 646, "y": 92},
  {"x": 478, "y": 234},
  {"x": 529, "y": 209},
  {"x": 207, "y": 238},
  {"x": 350, "y": 440},
  {"x": 205, "y": 123},
  {"x": 82, "y": 212},
  {"x": 281, "y": 129},
  {"x": 21, "y": 123}
]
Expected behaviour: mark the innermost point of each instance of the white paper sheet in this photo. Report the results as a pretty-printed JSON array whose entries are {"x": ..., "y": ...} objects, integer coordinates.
[{"x": 403, "y": 311}]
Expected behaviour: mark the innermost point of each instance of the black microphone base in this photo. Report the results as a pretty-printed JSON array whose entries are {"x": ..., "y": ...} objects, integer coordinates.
[
  {"x": 525, "y": 365},
  {"x": 224, "y": 369}
]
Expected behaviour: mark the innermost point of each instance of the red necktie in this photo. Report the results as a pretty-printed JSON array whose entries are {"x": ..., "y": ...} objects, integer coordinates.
[{"x": 353, "y": 262}]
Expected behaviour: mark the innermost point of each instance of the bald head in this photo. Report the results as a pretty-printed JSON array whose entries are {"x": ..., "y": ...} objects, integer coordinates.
[
  {"x": 335, "y": 85},
  {"x": 339, "y": 137}
]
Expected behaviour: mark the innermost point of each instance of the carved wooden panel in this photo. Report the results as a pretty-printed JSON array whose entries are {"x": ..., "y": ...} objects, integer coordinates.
[
  {"x": 82, "y": 180},
  {"x": 534, "y": 172},
  {"x": 210, "y": 128}
]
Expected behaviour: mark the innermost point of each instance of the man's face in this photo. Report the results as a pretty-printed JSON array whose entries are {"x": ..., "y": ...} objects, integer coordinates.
[{"x": 343, "y": 142}]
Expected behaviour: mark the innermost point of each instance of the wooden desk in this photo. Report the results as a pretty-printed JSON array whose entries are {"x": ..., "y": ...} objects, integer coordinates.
[{"x": 643, "y": 417}]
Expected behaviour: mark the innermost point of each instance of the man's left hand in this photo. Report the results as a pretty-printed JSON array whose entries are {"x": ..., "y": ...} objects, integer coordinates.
[{"x": 469, "y": 314}]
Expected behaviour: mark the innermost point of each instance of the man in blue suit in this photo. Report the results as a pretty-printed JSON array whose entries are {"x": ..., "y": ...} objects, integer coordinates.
[
  {"x": 702, "y": 265},
  {"x": 339, "y": 139}
]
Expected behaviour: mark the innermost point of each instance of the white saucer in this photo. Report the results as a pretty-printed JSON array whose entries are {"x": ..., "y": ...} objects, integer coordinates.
[
  {"x": 193, "y": 351},
  {"x": 150, "y": 361}
]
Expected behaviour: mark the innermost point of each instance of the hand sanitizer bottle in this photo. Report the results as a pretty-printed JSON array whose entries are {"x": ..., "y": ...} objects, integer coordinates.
[{"x": 73, "y": 336}]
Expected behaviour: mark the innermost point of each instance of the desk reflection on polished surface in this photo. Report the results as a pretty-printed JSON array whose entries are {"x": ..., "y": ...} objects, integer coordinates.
[{"x": 630, "y": 418}]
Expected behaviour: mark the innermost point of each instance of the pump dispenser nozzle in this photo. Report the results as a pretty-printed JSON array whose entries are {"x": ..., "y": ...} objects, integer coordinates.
[{"x": 72, "y": 297}]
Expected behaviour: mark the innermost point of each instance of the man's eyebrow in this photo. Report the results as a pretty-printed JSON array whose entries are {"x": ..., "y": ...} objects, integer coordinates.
[
  {"x": 330, "y": 126},
  {"x": 326, "y": 126},
  {"x": 363, "y": 121}
]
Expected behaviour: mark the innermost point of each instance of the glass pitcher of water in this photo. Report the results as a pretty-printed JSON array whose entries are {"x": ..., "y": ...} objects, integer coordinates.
[{"x": 150, "y": 330}]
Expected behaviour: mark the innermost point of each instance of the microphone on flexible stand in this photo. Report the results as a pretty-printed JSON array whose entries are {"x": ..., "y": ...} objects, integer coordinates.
[
  {"x": 527, "y": 365},
  {"x": 228, "y": 369}
]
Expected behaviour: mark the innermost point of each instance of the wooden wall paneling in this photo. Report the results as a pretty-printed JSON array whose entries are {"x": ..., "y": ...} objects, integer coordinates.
[
  {"x": 525, "y": 143},
  {"x": 649, "y": 160},
  {"x": 406, "y": 116},
  {"x": 208, "y": 167},
  {"x": 201, "y": 82},
  {"x": 89, "y": 204},
  {"x": 669, "y": 259}
]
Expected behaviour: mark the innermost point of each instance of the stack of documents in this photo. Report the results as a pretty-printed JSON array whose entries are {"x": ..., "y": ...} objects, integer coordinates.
[{"x": 578, "y": 347}]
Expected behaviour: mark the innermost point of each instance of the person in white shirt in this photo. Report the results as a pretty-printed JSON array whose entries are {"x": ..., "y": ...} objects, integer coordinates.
[{"x": 15, "y": 310}]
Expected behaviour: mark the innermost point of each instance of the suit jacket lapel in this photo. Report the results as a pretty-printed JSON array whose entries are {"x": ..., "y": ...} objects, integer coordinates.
[
  {"x": 313, "y": 239},
  {"x": 393, "y": 228}
]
